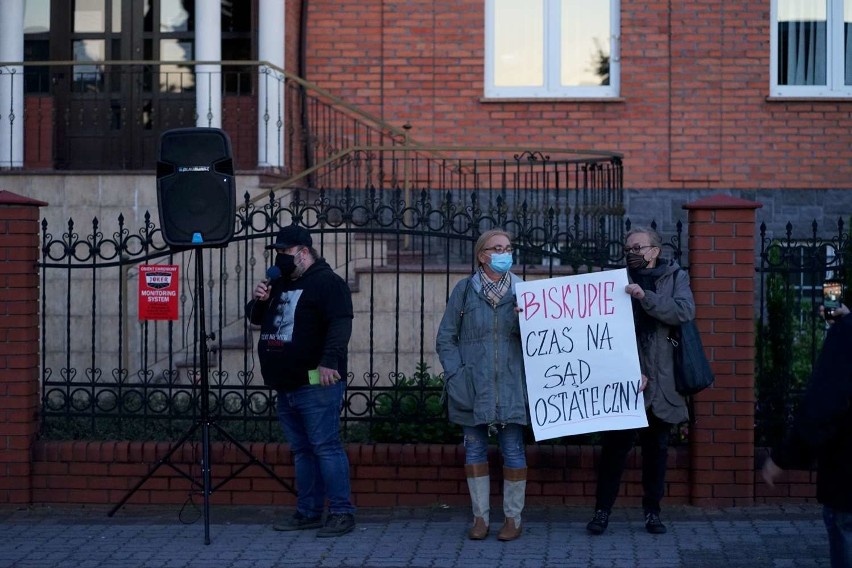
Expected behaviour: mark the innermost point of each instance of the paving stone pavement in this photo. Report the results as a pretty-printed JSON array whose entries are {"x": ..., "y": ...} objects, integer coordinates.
[{"x": 242, "y": 537}]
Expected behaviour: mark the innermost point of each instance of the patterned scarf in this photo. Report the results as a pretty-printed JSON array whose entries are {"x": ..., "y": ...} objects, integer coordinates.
[{"x": 494, "y": 291}]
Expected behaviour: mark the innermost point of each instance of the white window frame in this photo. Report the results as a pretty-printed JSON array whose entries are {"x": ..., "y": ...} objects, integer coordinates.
[
  {"x": 834, "y": 54},
  {"x": 552, "y": 59}
]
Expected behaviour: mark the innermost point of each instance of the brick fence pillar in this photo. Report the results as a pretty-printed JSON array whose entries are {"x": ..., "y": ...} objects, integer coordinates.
[
  {"x": 721, "y": 268},
  {"x": 19, "y": 344}
]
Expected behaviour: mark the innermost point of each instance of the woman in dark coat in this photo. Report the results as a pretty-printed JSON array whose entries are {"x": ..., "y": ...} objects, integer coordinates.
[{"x": 661, "y": 299}]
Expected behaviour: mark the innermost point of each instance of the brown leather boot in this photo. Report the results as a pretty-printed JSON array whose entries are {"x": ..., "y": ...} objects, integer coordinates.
[
  {"x": 514, "y": 492},
  {"x": 479, "y": 530},
  {"x": 509, "y": 531},
  {"x": 479, "y": 484}
]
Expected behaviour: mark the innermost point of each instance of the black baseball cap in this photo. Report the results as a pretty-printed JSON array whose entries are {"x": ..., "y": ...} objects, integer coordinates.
[{"x": 292, "y": 236}]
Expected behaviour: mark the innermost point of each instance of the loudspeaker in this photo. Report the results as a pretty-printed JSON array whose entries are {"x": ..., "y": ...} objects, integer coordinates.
[{"x": 196, "y": 193}]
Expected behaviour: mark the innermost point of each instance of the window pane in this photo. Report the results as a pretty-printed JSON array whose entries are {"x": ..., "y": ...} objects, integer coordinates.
[
  {"x": 36, "y": 16},
  {"x": 236, "y": 16},
  {"x": 176, "y": 78},
  {"x": 89, "y": 16},
  {"x": 174, "y": 17},
  {"x": 237, "y": 79},
  {"x": 518, "y": 43},
  {"x": 802, "y": 42},
  {"x": 36, "y": 79},
  {"x": 585, "y": 48},
  {"x": 116, "y": 16},
  {"x": 147, "y": 17},
  {"x": 88, "y": 78}
]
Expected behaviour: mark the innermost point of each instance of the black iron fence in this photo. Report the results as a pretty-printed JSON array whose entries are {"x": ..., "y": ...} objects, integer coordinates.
[
  {"x": 106, "y": 374},
  {"x": 791, "y": 272}
]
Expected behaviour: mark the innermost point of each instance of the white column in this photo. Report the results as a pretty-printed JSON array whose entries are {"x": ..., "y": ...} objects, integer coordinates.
[
  {"x": 208, "y": 78},
  {"x": 270, "y": 92},
  {"x": 12, "y": 84}
]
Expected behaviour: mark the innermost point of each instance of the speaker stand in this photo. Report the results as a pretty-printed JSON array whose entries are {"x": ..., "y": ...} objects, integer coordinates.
[{"x": 205, "y": 423}]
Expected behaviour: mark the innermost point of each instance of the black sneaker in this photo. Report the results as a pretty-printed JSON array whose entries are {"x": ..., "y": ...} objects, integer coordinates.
[
  {"x": 298, "y": 522},
  {"x": 653, "y": 524},
  {"x": 599, "y": 523},
  {"x": 337, "y": 524}
]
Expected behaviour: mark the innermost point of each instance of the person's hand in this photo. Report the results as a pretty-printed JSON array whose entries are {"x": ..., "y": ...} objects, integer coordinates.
[
  {"x": 261, "y": 291},
  {"x": 328, "y": 376},
  {"x": 770, "y": 471},
  {"x": 635, "y": 291},
  {"x": 835, "y": 315},
  {"x": 643, "y": 382}
]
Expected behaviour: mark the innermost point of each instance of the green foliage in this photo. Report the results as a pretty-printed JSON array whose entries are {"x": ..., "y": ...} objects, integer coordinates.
[
  {"x": 786, "y": 345},
  {"x": 412, "y": 411}
]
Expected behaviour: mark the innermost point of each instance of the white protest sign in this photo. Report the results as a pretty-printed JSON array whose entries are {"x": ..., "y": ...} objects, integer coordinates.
[{"x": 580, "y": 356}]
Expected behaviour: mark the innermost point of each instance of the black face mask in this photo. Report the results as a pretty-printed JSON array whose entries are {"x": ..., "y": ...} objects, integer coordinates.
[
  {"x": 636, "y": 261},
  {"x": 287, "y": 264}
]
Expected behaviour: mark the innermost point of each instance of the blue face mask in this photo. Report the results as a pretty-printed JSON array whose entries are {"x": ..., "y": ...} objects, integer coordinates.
[{"x": 501, "y": 263}]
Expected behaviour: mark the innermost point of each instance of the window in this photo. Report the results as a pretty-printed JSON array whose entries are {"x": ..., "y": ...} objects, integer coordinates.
[
  {"x": 36, "y": 45},
  {"x": 551, "y": 48},
  {"x": 811, "y": 48}
]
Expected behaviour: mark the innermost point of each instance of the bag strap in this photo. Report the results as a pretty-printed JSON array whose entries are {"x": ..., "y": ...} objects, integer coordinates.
[
  {"x": 461, "y": 314},
  {"x": 690, "y": 403},
  {"x": 673, "y": 328}
]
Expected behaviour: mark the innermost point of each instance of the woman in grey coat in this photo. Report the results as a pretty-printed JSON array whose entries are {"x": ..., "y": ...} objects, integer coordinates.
[
  {"x": 479, "y": 344},
  {"x": 661, "y": 298}
]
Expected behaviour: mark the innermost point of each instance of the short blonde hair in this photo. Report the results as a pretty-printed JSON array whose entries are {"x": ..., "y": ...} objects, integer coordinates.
[{"x": 483, "y": 240}]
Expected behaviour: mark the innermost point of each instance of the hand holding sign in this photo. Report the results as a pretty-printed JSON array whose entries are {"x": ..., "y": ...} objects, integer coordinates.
[{"x": 580, "y": 355}]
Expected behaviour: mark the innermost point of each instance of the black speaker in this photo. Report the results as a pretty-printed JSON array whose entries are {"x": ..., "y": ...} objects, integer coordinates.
[{"x": 196, "y": 193}]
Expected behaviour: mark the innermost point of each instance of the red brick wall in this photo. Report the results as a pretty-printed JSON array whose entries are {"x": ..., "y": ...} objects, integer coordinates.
[
  {"x": 721, "y": 261},
  {"x": 383, "y": 475},
  {"x": 19, "y": 342},
  {"x": 694, "y": 84}
]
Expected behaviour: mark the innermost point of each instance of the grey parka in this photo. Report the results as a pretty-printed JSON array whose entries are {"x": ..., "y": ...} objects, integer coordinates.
[
  {"x": 483, "y": 365},
  {"x": 661, "y": 398}
]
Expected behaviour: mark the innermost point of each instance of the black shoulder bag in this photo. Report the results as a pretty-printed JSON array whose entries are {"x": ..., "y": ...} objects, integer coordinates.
[{"x": 691, "y": 369}]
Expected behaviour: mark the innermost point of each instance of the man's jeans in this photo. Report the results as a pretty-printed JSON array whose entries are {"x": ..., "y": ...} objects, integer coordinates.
[
  {"x": 310, "y": 418},
  {"x": 839, "y": 527}
]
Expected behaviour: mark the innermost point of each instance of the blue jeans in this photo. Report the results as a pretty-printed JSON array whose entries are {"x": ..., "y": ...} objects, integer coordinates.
[
  {"x": 510, "y": 437},
  {"x": 839, "y": 527},
  {"x": 310, "y": 418}
]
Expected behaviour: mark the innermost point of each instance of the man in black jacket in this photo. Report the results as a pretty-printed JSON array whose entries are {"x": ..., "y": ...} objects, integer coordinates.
[
  {"x": 305, "y": 314},
  {"x": 823, "y": 430}
]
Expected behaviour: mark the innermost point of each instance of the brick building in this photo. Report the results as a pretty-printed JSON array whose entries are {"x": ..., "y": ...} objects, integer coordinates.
[{"x": 751, "y": 99}]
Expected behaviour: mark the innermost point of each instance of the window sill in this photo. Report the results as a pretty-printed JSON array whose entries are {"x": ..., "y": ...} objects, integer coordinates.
[
  {"x": 809, "y": 99},
  {"x": 527, "y": 100}
]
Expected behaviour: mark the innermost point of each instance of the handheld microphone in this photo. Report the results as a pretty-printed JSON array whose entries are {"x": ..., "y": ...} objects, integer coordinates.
[{"x": 272, "y": 273}]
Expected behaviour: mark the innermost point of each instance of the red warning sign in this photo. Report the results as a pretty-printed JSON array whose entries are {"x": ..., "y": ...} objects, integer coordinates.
[{"x": 158, "y": 292}]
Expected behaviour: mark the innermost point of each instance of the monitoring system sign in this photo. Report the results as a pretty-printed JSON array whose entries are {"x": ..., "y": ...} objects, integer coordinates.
[{"x": 158, "y": 292}]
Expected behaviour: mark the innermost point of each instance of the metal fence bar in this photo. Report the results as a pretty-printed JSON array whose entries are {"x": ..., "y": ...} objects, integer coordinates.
[{"x": 791, "y": 272}]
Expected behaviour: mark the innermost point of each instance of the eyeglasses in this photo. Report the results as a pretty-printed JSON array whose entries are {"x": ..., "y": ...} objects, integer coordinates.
[
  {"x": 636, "y": 248},
  {"x": 500, "y": 250}
]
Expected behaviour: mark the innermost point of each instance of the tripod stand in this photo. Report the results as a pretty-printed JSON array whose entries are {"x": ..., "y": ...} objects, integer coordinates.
[{"x": 205, "y": 423}]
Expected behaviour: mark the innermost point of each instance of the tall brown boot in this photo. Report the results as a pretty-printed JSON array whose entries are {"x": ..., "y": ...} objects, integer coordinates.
[
  {"x": 514, "y": 494},
  {"x": 479, "y": 484}
]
